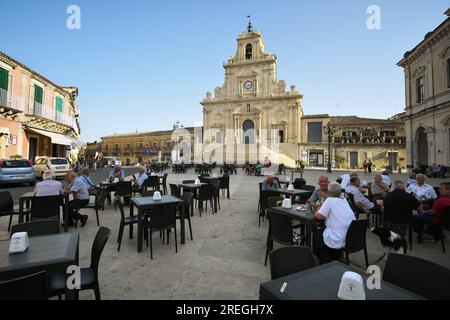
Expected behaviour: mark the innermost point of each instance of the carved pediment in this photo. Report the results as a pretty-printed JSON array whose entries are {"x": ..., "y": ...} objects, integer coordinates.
[{"x": 419, "y": 71}]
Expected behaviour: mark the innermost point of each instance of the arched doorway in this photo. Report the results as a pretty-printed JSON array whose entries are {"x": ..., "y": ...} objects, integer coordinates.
[
  {"x": 249, "y": 131},
  {"x": 422, "y": 147}
]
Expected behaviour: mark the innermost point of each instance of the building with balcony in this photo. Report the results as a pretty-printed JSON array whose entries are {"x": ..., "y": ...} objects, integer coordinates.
[
  {"x": 37, "y": 116},
  {"x": 142, "y": 147},
  {"x": 427, "y": 95},
  {"x": 354, "y": 141}
]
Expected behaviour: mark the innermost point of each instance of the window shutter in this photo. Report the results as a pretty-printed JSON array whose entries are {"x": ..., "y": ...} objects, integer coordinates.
[
  {"x": 59, "y": 104},
  {"x": 3, "y": 79},
  {"x": 38, "y": 94},
  {"x": 3, "y": 86}
]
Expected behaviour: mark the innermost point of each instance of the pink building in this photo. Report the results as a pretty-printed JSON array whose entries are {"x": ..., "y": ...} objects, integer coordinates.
[{"x": 37, "y": 116}]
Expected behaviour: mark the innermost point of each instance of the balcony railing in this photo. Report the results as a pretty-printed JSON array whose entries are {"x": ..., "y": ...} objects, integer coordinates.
[
  {"x": 10, "y": 102},
  {"x": 40, "y": 110},
  {"x": 370, "y": 140}
]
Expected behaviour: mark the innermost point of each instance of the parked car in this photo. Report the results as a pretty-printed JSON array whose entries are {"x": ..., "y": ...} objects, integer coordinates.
[
  {"x": 59, "y": 166},
  {"x": 110, "y": 162},
  {"x": 16, "y": 171}
]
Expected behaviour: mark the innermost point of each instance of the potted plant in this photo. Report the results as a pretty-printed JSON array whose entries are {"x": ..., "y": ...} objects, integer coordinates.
[{"x": 339, "y": 160}]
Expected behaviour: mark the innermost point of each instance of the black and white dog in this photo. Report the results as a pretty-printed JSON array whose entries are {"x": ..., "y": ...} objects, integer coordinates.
[{"x": 390, "y": 240}]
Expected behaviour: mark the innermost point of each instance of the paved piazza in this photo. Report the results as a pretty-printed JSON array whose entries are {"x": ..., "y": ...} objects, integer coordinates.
[{"x": 225, "y": 260}]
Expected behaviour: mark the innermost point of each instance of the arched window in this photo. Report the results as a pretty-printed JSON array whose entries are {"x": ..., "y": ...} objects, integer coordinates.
[
  {"x": 248, "y": 52},
  {"x": 249, "y": 131}
]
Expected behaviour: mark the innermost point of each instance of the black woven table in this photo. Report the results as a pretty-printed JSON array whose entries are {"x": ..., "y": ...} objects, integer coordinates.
[{"x": 322, "y": 283}]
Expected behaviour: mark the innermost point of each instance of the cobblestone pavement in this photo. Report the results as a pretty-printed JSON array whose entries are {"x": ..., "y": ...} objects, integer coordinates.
[{"x": 224, "y": 261}]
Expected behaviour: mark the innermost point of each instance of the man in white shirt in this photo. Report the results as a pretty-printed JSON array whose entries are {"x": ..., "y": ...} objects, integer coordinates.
[
  {"x": 385, "y": 178},
  {"x": 363, "y": 204},
  {"x": 48, "y": 186},
  {"x": 338, "y": 216},
  {"x": 142, "y": 176},
  {"x": 422, "y": 190},
  {"x": 346, "y": 178}
]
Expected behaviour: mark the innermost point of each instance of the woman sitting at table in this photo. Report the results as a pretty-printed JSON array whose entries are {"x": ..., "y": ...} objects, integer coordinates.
[{"x": 338, "y": 216}]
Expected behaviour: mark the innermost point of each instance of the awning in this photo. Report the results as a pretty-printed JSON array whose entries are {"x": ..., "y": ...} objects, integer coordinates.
[{"x": 57, "y": 138}]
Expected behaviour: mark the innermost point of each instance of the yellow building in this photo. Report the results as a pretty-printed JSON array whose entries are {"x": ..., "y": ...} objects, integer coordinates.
[
  {"x": 427, "y": 95},
  {"x": 354, "y": 141},
  {"x": 141, "y": 147}
]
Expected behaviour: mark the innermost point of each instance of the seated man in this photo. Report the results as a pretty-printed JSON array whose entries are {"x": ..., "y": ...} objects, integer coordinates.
[
  {"x": 398, "y": 207},
  {"x": 338, "y": 216},
  {"x": 321, "y": 192},
  {"x": 117, "y": 173},
  {"x": 48, "y": 186},
  {"x": 442, "y": 172},
  {"x": 411, "y": 179},
  {"x": 378, "y": 188},
  {"x": 270, "y": 184},
  {"x": 88, "y": 181},
  {"x": 363, "y": 204},
  {"x": 432, "y": 217},
  {"x": 345, "y": 178},
  {"x": 139, "y": 181},
  {"x": 81, "y": 198},
  {"x": 423, "y": 191},
  {"x": 385, "y": 178}
]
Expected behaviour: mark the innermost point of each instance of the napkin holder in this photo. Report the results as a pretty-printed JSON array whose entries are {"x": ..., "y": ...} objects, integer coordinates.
[
  {"x": 290, "y": 187},
  {"x": 197, "y": 181},
  {"x": 19, "y": 242},
  {"x": 287, "y": 204},
  {"x": 351, "y": 287},
  {"x": 116, "y": 180},
  {"x": 157, "y": 196}
]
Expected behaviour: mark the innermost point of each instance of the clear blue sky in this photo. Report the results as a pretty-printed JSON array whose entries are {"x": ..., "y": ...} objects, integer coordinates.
[{"x": 142, "y": 65}]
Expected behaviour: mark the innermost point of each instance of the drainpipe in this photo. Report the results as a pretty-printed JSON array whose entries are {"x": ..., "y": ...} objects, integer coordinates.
[{"x": 434, "y": 103}]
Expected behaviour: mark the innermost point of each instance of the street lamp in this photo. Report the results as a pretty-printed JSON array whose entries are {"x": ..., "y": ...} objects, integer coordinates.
[{"x": 329, "y": 129}]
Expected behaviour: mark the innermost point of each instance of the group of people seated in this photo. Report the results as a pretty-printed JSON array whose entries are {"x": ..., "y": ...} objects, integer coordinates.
[
  {"x": 436, "y": 171},
  {"x": 397, "y": 205},
  {"x": 78, "y": 186},
  {"x": 82, "y": 187}
]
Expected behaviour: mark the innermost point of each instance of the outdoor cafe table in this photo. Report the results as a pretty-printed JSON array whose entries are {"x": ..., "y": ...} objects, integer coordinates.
[
  {"x": 322, "y": 283},
  {"x": 292, "y": 194},
  {"x": 307, "y": 217},
  {"x": 53, "y": 252},
  {"x": 27, "y": 197},
  {"x": 193, "y": 187},
  {"x": 211, "y": 179},
  {"x": 146, "y": 203}
]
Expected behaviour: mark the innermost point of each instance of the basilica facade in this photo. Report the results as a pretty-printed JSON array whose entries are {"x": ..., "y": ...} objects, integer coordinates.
[{"x": 252, "y": 111}]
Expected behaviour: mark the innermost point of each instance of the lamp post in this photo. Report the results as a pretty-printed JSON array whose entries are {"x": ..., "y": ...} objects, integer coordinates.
[{"x": 329, "y": 129}]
